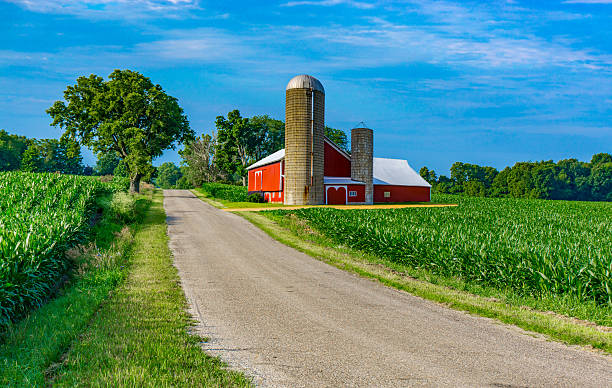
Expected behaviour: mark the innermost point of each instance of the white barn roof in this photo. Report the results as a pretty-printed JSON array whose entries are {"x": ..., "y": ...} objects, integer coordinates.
[
  {"x": 396, "y": 172},
  {"x": 275, "y": 157}
]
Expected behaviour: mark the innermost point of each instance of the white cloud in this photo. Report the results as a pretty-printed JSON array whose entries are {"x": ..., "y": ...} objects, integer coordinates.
[
  {"x": 125, "y": 9},
  {"x": 328, "y": 3},
  {"x": 588, "y": 2}
]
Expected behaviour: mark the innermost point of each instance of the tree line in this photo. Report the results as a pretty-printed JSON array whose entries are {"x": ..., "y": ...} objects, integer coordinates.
[
  {"x": 40, "y": 155},
  {"x": 567, "y": 179}
]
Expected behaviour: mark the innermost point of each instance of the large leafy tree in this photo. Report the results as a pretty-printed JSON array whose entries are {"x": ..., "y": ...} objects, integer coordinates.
[
  {"x": 239, "y": 143},
  {"x": 127, "y": 114},
  {"x": 107, "y": 163}
]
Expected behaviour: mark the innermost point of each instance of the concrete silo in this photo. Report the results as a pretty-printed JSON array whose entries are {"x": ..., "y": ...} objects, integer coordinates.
[
  {"x": 304, "y": 132},
  {"x": 362, "y": 169}
]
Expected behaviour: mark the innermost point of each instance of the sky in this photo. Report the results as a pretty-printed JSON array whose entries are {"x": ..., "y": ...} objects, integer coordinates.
[{"x": 491, "y": 83}]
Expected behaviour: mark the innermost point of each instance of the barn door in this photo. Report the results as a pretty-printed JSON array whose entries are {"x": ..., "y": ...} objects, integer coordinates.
[
  {"x": 336, "y": 195},
  {"x": 258, "y": 183}
]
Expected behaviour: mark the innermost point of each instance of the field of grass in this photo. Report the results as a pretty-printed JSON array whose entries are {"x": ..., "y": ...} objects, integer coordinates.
[
  {"x": 41, "y": 216},
  {"x": 532, "y": 247}
]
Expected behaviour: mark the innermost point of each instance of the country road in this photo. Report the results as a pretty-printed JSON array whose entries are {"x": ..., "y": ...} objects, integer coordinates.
[{"x": 289, "y": 320}]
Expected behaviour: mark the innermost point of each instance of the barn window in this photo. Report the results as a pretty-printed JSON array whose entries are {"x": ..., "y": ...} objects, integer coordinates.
[
  {"x": 387, "y": 194},
  {"x": 352, "y": 193}
]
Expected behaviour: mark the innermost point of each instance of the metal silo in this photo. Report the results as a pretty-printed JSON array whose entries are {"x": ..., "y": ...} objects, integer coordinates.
[
  {"x": 362, "y": 148},
  {"x": 304, "y": 131}
]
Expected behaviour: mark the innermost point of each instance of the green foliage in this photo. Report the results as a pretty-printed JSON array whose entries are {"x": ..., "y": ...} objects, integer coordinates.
[
  {"x": 274, "y": 133},
  {"x": 428, "y": 175},
  {"x": 183, "y": 184},
  {"x": 121, "y": 170},
  {"x": 531, "y": 246},
  {"x": 231, "y": 193},
  {"x": 12, "y": 148},
  {"x": 199, "y": 161},
  {"x": 118, "y": 184},
  {"x": 127, "y": 114},
  {"x": 41, "y": 215},
  {"x": 256, "y": 198},
  {"x": 339, "y": 137},
  {"x": 44, "y": 155},
  {"x": 107, "y": 163},
  {"x": 123, "y": 207},
  {"x": 32, "y": 159},
  {"x": 167, "y": 175},
  {"x": 239, "y": 144},
  {"x": 568, "y": 179}
]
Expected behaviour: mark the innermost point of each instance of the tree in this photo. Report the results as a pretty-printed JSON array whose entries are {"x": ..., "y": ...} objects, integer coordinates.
[
  {"x": 199, "y": 160},
  {"x": 32, "y": 159},
  {"x": 127, "y": 114},
  {"x": 428, "y": 175},
  {"x": 121, "y": 170},
  {"x": 238, "y": 144},
  {"x": 107, "y": 163},
  {"x": 167, "y": 175},
  {"x": 601, "y": 182},
  {"x": 12, "y": 148},
  {"x": 601, "y": 158},
  {"x": 339, "y": 137},
  {"x": 274, "y": 133}
]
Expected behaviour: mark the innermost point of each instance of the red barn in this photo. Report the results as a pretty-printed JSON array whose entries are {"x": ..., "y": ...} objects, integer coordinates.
[
  {"x": 312, "y": 170},
  {"x": 393, "y": 179}
]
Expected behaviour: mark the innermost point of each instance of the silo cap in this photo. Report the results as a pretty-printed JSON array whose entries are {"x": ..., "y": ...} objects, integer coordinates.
[{"x": 304, "y": 81}]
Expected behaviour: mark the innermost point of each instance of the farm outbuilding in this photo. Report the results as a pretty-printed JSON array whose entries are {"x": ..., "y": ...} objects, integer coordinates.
[{"x": 313, "y": 170}]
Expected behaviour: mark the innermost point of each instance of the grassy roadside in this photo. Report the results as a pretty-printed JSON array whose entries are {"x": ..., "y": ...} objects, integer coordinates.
[
  {"x": 296, "y": 234},
  {"x": 140, "y": 336},
  {"x": 31, "y": 345},
  {"x": 222, "y": 203}
]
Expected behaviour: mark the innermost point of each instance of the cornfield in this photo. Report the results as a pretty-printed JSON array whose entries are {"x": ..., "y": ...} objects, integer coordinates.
[
  {"x": 41, "y": 215},
  {"x": 531, "y": 246}
]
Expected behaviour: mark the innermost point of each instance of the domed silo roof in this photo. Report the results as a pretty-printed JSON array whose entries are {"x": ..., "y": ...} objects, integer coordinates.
[{"x": 304, "y": 81}]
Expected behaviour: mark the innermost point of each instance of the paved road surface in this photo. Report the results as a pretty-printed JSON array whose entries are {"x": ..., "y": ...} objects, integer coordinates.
[{"x": 290, "y": 320}]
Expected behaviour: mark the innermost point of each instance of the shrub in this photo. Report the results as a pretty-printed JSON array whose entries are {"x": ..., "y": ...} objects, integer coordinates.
[
  {"x": 123, "y": 206},
  {"x": 256, "y": 197},
  {"x": 228, "y": 192}
]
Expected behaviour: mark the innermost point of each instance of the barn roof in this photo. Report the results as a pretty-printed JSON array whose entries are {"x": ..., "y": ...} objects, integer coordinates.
[
  {"x": 275, "y": 157},
  {"x": 396, "y": 172},
  {"x": 338, "y": 180}
]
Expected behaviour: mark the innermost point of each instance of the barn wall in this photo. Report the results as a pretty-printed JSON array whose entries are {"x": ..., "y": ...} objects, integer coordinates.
[
  {"x": 271, "y": 178},
  {"x": 360, "y": 189},
  {"x": 401, "y": 193},
  {"x": 336, "y": 164},
  {"x": 273, "y": 196}
]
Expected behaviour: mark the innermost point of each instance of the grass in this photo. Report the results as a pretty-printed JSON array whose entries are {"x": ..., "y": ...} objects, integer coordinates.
[
  {"x": 140, "y": 336},
  {"x": 121, "y": 321},
  {"x": 452, "y": 292},
  {"x": 29, "y": 347}
]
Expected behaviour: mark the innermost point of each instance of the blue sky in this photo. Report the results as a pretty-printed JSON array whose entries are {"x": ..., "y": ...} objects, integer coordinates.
[{"x": 439, "y": 81}]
